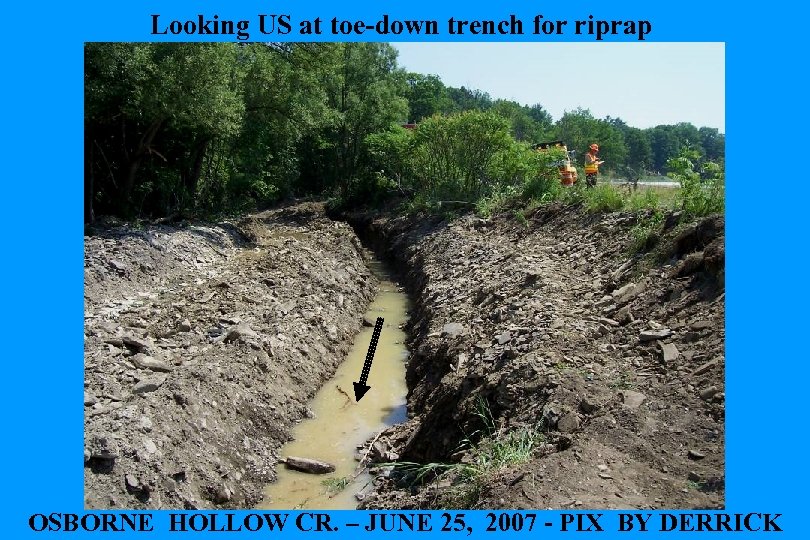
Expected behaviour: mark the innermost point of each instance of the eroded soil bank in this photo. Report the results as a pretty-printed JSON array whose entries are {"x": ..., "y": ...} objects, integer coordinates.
[
  {"x": 612, "y": 364},
  {"x": 203, "y": 346}
]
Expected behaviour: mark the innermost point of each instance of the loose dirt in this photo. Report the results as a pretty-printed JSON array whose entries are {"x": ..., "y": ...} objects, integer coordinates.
[
  {"x": 550, "y": 366},
  {"x": 551, "y": 336},
  {"x": 203, "y": 345}
]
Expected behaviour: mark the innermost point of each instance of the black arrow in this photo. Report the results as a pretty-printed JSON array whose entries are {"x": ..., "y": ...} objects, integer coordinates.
[{"x": 360, "y": 388}]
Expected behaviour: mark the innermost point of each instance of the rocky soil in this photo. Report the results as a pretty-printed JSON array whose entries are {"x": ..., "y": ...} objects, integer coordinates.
[
  {"x": 203, "y": 345},
  {"x": 613, "y": 362}
]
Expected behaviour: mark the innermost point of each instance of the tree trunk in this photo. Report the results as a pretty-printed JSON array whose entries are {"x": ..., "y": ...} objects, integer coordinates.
[
  {"x": 197, "y": 158},
  {"x": 88, "y": 177},
  {"x": 135, "y": 160}
]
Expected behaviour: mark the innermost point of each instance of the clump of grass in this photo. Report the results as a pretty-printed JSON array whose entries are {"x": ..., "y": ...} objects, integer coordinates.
[
  {"x": 335, "y": 485},
  {"x": 496, "y": 449},
  {"x": 702, "y": 185},
  {"x": 603, "y": 198},
  {"x": 521, "y": 218},
  {"x": 623, "y": 381},
  {"x": 647, "y": 199},
  {"x": 646, "y": 232}
]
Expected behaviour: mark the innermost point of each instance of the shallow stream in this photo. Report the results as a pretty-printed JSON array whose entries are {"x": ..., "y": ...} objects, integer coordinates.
[{"x": 340, "y": 424}]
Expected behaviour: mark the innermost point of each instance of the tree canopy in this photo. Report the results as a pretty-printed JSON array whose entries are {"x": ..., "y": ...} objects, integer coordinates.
[{"x": 208, "y": 127}]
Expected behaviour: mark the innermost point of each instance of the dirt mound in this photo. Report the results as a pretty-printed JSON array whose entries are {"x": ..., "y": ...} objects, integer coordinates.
[
  {"x": 203, "y": 345},
  {"x": 553, "y": 367}
]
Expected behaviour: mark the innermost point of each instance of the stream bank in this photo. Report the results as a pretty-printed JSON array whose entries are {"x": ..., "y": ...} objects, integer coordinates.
[
  {"x": 203, "y": 347},
  {"x": 550, "y": 336}
]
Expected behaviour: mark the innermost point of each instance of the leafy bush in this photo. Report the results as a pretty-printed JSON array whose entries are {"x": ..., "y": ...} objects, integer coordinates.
[
  {"x": 544, "y": 184},
  {"x": 700, "y": 195},
  {"x": 389, "y": 154},
  {"x": 452, "y": 155},
  {"x": 646, "y": 232}
]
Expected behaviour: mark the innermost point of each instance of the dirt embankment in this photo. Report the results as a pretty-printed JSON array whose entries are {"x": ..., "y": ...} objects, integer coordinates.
[
  {"x": 613, "y": 363},
  {"x": 203, "y": 345}
]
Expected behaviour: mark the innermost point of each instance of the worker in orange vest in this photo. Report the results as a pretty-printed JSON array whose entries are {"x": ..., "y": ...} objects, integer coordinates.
[{"x": 592, "y": 165}]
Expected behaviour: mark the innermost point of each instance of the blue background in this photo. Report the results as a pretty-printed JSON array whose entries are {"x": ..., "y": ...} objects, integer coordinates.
[{"x": 42, "y": 323}]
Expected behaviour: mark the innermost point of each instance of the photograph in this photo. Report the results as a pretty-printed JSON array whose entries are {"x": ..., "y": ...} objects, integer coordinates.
[{"x": 404, "y": 275}]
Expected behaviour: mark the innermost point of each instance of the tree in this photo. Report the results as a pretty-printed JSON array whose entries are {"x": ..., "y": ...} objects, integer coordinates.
[
  {"x": 364, "y": 96},
  {"x": 426, "y": 95},
  {"x": 159, "y": 104},
  {"x": 579, "y": 129}
]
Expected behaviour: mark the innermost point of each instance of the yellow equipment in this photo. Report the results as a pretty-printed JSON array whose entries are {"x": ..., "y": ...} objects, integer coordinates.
[{"x": 568, "y": 173}]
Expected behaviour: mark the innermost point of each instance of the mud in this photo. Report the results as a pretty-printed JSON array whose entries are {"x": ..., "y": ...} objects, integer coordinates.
[
  {"x": 341, "y": 426},
  {"x": 203, "y": 346},
  {"x": 612, "y": 362}
]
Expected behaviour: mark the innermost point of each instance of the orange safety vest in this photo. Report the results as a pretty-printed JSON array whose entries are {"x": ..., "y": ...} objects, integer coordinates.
[{"x": 591, "y": 167}]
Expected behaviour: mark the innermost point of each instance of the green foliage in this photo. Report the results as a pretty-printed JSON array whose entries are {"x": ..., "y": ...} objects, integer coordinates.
[
  {"x": 603, "y": 198},
  {"x": 452, "y": 155},
  {"x": 699, "y": 195},
  {"x": 495, "y": 449},
  {"x": 646, "y": 199},
  {"x": 646, "y": 232},
  {"x": 389, "y": 154},
  {"x": 208, "y": 128},
  {"x": 335, "y": 485},
  {"x": 544, "y": 184}
]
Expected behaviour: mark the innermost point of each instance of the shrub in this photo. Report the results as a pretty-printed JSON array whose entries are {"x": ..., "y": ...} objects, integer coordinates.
[
  {"x": 452, "y": 155},
  {"x": 701, "y": 194}
]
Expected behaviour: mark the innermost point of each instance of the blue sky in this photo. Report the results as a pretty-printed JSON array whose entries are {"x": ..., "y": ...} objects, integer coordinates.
[{"x": 644, "y": 84}]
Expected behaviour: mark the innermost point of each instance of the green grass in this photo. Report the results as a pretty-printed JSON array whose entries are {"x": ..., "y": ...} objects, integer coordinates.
[
  {"x": 335, "y": 485},
  {"x": 646, "y": 232},
  {"x": 496, "y": 449}
]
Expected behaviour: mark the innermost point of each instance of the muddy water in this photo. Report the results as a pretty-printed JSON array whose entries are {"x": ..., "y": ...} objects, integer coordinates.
[{"x": 341, "y": 424}]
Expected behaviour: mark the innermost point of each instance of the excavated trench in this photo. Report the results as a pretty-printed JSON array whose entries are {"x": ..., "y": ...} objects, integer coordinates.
[
  {"x": 548, "y": 325},
  {"x": 339, "y": 427}
]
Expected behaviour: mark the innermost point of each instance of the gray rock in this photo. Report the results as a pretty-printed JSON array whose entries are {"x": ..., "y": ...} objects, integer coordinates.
[
  {"x": 695, "y": 455},
  {"x": 102, "y": 446},
  {"x": 223, "y": 494},
  {"x": 628, "y": 292},
  {"x": 136, "y": 343},
  {"x": 118, "y": 266},
  {"x": 624, "y": 315},
  {"x": 151, "y": 363},
  {"x": 452, "y": 329},
  {"x": 632, "y": 399},
  {"x": 145, "y": 423},
  {"x": 701, "y": 325},
  {"x": 150, "y": 445},
  {"x": 609, "y": 322},
  {"x": 308, "y": 465},
  {"x": 184, "y": 326},
  {"x": 708, "y": 366},
  {"x": 89, "y": 399},
  {"x": 669, "y": 352},
  {"x": 652, "y": 335},
  {"x": 149, "y": 385},
  {"x": 132, "y": 482},
  {"x": 588, "y": 406},
  {"x": 568, "y": 423},
  {"x": 242, "y": 332},
  {"x": 708, "y": 393},
  {"x": 503, "y": 338}
]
